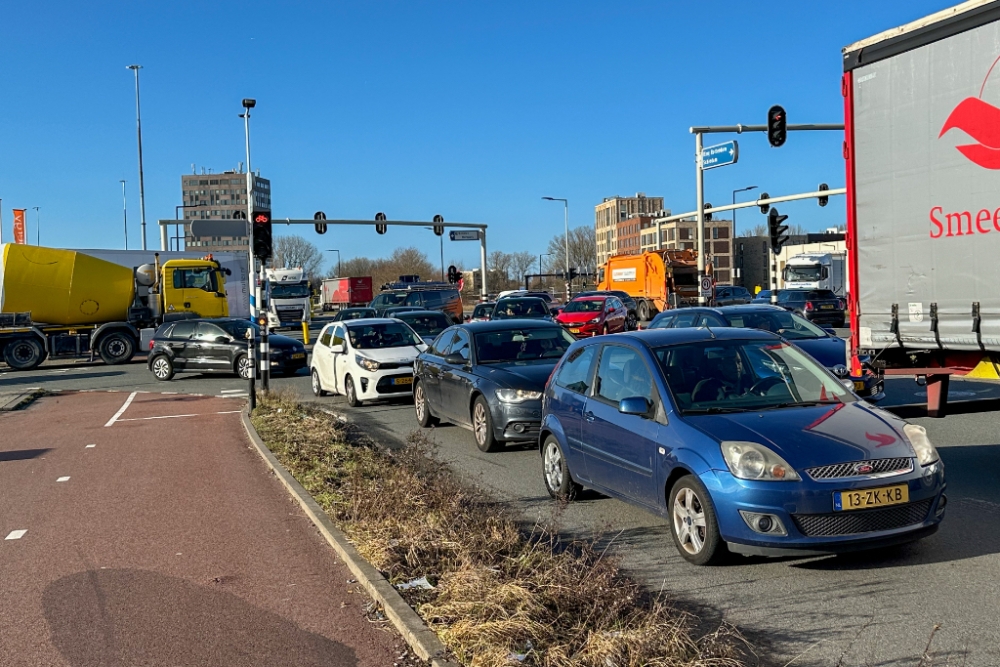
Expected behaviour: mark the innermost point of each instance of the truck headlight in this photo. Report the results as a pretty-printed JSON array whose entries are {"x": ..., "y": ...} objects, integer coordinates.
[
  {"x": 369, "y": 365},
  {"x": 750, "y": 460},
  {"x": 926, "y": 452},
  {"x": 517, "y": 395}
]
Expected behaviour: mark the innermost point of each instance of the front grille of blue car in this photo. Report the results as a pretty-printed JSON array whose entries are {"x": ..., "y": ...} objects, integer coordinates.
[{"x": 862, "y": 521}]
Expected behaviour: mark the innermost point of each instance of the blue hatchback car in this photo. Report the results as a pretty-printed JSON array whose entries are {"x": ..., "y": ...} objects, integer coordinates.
[{"x": 742, "y": 441}]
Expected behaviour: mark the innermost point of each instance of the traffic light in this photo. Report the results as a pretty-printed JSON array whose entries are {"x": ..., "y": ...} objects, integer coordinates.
[
  {"x": 262, "y": 234},
  {"x": 764, "y": 208},
  {"x": 452, "y": 274},
  {"x": 778, "y": 231},
  {"x": 823, "y": 201},
  {"x": 708, "y": 216},
  {"x": 439, "y": 225},
  {"x": 380, "y": 228},
  {"x": 572, "y": 273},
  {"x": 776, "y": 126},
  {"x": 319, "y": 217}
]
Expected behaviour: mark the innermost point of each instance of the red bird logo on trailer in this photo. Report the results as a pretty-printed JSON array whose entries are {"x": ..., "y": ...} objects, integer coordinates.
[{"x": 981, "y": 121}]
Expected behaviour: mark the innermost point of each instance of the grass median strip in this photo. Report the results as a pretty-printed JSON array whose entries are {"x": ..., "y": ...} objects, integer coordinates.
[{"x": 494, "y": 593}]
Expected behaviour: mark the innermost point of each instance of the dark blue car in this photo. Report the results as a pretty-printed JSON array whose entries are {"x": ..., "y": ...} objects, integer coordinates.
[
  {"x": 740, "y": 440},
  {"x": 824, "y": 346}
]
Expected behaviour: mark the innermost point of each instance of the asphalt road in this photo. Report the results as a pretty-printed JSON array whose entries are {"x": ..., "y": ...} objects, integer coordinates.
[
  {"x": 871, "y": 609},
  {"x": 123, "y": 542}
]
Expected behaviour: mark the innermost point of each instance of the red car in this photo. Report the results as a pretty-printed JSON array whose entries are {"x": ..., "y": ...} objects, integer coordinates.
[{"x": 593, "y": 315}]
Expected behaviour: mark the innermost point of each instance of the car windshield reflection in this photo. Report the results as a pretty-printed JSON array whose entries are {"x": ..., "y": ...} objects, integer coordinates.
[
  {"x": 428, "y": 324},
  {"x": 782, "y": 323},
  {"x": 740, "y": 376},
  {"x": 494, "y": 347}
]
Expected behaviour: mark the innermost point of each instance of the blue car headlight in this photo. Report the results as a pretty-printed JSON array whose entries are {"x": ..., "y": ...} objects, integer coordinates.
[
  {"x": 751, "y": 460},
  {"x": 926, "y": 452},
  {"x": 517, "y": 395}
]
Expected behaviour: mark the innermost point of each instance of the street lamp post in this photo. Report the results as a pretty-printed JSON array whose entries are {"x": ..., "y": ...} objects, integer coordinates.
[
  {"x": 733, "y": 240},
  {"x": 138, "y": 128},
  {"x": 38, "y": 226},
  {"x": 565, "y": 238},
  {"x": 340, "y": 272},
  {"x": 125, "y": 212}
]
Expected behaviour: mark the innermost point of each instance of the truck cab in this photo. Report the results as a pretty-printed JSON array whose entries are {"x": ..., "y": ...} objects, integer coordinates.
[
  {"x": 289, "y": 302},
  {"x": 193, "y": 286},
  {"x": 824, "y": 271}
]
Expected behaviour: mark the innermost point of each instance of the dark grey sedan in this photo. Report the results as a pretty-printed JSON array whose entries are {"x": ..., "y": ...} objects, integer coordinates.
[{"x": 489, "y": 377}]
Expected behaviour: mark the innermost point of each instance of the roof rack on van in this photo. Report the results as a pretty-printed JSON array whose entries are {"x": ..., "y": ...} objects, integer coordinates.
[{"x": 418, "y": 286}]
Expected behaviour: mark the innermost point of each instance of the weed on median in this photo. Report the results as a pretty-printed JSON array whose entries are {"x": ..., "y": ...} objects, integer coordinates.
[{"x": 499, "y": 595}]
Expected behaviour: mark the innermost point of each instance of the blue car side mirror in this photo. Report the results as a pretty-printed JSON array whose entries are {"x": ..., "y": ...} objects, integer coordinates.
[
  {"x": 635, "y": 405},
  {"x": 832, "y": 332}
]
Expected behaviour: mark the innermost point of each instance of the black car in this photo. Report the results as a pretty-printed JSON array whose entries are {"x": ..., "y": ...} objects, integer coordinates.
[
  {"x": 732, "y": 295},
  {"x": 489, "y": 377},
  {"x": 816, "y": 305},
  {"x": 387, "y": 300},
  {"x": 633, "y": 319},
  {"x": 393, "y": 311},
  {"x": 217, "y": 346},
  {"x": 521, "y": 307},
  {"x": 482, "y": 311},
  {"x": 427, "y": 323},
  {"x": 353, "y": 314},
  {"x": 763, "y": 296}
]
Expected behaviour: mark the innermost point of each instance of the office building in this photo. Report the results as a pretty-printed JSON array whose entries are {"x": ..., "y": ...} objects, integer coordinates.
[
  {"x": 683, "y": 235},
  {"x": 614, "y": 210},
  {"x": 210, "y": 202}
]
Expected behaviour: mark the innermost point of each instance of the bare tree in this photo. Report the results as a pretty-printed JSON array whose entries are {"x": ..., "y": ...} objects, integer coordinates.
[
  {"x": 292, "y": 252},
  {"x": 402, "y": 262},
  {"x": 522, "y": 263},
  {"x": 756, "y": 230},
  {"x": 582, "y": 251}
]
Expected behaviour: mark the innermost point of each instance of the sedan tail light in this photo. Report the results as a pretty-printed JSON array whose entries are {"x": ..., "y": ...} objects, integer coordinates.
[
  {"x": 841, "y": 304},
  {"x": 809, "y": 305},
  {"x": 150, "y": 344}
]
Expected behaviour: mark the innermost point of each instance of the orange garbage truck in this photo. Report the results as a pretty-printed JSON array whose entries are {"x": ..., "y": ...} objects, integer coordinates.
[{"x": 657, "y": 280}]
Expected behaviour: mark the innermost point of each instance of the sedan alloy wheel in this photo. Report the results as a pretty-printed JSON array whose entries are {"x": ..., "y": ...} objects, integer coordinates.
[
  {"x": 695, "y": 528},
  {"x": 244, "y": 367},
  {"x": 162, "y": 368},
  {"x": 558, "y": 480},
  {"x": 482, "y": 427}
]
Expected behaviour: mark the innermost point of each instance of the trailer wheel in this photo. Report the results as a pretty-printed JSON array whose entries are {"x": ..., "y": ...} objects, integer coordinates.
[
  {"x": 643, "y": 311},
  {"x": 116, "y": 348},
  {"x": 23, "y": 354}
]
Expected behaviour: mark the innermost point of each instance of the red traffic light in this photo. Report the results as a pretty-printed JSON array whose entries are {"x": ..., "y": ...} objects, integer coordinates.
[{"x": 261, "y": 218}]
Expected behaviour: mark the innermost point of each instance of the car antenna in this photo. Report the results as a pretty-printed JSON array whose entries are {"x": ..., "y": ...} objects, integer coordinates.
[{"x": 705, "y": 326}]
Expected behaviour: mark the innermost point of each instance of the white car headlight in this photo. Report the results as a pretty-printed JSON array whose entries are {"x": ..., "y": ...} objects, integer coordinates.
[
  {"x": 750, "y": 460},
  {"x": 517, "y": 395},
  {"x": 926, "y": 452},
  {"x": 369, "y": 365},
  {"x": 594, "y": 321}
]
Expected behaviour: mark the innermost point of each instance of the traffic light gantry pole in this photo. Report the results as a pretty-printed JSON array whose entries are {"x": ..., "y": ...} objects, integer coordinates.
[{"x": 776, "y": 128}]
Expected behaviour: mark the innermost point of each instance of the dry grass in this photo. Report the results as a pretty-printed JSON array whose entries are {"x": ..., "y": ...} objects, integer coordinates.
[{"x": 498, "y": 591}]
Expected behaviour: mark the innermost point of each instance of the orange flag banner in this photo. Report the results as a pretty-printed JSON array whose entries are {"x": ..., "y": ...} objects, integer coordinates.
[{"x": 19, "y": 230}]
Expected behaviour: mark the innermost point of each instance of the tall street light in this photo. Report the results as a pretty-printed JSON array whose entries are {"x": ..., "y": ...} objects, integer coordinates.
[
  {"x": 138, "y": 128},
  {"x": 38, "y": 226},
  {"x": 125, "y": 212},
  {"x": 566, "y": 237},
  {"x": 340, "y": 272},
  {"x": 733, "y": 240}
]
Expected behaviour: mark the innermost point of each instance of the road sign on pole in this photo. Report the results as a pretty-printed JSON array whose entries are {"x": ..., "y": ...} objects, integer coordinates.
[
  {"x": 464, "y": 235},
  {"x": 720, "y": 155},
  {"x": 706, "y": 286}
]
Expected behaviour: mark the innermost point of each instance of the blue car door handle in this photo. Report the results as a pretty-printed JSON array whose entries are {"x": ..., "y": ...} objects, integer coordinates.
[{"x": 589, "y": 416}]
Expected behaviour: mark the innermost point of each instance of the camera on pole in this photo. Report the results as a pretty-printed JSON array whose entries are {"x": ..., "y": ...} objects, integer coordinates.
[
  {"x": 319, "y": 216},
  {"x": 778, "y": 231},
  {"x": 378, "y": 218},
  {"x": 262, "y": 235},
  {"x": 777, "y": 123},
  {"x": 764, "y": 208},
  {"x": 823, "y": 201}
]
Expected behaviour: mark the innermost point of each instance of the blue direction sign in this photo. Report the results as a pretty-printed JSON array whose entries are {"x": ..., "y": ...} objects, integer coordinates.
[
  {"x": 720, "y": 155},
  {"x": 464, "y": 235}
]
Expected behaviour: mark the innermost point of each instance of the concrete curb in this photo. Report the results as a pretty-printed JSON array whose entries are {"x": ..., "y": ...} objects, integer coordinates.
[
  {"x": 19, "y": 399},
  {"x": 422, "y": 640}
]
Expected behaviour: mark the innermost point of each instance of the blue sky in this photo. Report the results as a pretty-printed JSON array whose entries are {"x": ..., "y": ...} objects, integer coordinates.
[{"x": 473, "y": 110}]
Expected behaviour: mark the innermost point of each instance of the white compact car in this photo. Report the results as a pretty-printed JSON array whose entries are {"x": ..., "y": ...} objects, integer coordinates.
[{"x": 365, "y": 359}]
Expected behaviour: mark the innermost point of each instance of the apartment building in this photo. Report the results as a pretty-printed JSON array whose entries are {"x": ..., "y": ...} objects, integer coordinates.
[{"x": 614, "y": 210}]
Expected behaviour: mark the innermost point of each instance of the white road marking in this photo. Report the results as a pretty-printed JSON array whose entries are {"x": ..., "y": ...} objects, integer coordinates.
[
  {"x": 90, "y": 446},
  {"x": 232, "y": 395},
  {"x": 228, "y": 412},
  {"x": 122, "y": 409},
  {"x": 233, "y": 391},
  {"x": 170, "y": 393},
  {"x": 63, "y": 479},
  {"x": 15, "y": 535},
  {"x": 139, "y": 419}
]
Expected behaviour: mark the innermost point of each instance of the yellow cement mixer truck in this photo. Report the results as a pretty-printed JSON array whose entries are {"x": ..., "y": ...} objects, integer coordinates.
[{"x": 64, "y": 303}]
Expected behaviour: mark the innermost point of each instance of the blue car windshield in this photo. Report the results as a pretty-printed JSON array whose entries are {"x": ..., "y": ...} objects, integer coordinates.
[
  {"x": 745, "y": 375},
  {"x": 494, "y": 347},
  {"x": 781, "y": 322}
]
